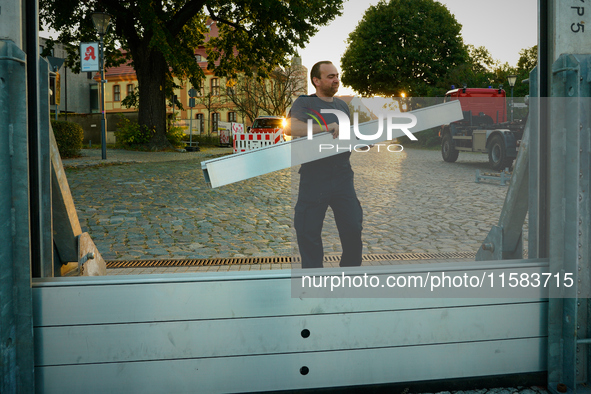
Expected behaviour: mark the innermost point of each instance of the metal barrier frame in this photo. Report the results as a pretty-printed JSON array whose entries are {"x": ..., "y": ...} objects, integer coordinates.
[{"x": 244, "y": 332}]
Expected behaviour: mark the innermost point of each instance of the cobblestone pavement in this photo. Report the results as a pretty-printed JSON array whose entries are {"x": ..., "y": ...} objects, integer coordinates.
[{"x": 159, "y": 206}]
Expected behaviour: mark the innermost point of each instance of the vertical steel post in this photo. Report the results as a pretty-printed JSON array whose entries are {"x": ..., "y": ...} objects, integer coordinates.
[
  {"x": 32, "y": 50},
  {"x": 565, "y": 53},
  {"x": 103, "y": 120},
  {"x": 45, "y": 214},
  {"x": 39, "y": 165},
  {"x": 570, "y": 223},
  {"x": 25, "y": 215},
  {"x": 538, "y": 168},
  {"x": 535, "y": 212},
  {"x": 16, "y": 310}
]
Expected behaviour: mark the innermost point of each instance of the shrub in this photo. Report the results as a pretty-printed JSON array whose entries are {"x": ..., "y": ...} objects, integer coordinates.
[
  {"x": 130, "y": 133},
  {"x": 69, "y": 137},
  {"x": 175, "y": 136}
]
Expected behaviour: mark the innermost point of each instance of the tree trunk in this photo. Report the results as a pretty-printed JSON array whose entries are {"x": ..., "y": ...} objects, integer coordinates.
[{"x": 151, "y": 67}]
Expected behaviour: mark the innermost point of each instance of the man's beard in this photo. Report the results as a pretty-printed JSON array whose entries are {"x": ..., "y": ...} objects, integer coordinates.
[{"x": 331, "y": 90}]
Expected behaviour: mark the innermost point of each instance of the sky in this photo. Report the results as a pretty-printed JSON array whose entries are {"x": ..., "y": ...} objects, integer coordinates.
[{"x": 516, "y": 30}]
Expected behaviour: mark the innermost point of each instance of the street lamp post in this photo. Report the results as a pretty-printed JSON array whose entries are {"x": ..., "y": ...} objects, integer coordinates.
[
  {"x": 512, "y": 79},
  {"x": 101, "y": 22}
]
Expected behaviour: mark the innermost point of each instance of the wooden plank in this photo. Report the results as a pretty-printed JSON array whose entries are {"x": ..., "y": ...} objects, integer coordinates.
[{"x": 65, "y": 217}]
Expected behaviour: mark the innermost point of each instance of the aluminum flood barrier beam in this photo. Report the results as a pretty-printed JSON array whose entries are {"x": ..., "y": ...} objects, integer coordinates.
[
  {"x": 247, "y": 332},
  {"x": 238, "y": 167}
]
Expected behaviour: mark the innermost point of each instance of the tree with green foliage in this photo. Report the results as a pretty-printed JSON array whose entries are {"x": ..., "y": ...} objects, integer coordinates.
[
  {"x": 477, "y": 72},
  {"x": 528, "y": 59},
  {"x": 160, "y": 38},
  {"x": 482, "y": 71},
  {"x": 402, "y": 46}
]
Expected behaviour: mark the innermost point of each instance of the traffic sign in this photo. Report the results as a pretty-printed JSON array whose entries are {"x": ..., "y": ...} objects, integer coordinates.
[{"x": 55, "y": 62}]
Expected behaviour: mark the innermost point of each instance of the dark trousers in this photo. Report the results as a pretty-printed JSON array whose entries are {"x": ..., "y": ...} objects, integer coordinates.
[{"x": 316, "y": 194}]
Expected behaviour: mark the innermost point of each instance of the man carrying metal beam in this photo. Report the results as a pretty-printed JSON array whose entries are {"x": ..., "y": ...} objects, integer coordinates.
[{"x": 328, "y": 181}]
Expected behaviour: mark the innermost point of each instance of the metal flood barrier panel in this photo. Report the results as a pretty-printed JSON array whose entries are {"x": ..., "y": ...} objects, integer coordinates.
[
  {"x": 245, "y": 332},
  {"x": 244, "y": 165}
]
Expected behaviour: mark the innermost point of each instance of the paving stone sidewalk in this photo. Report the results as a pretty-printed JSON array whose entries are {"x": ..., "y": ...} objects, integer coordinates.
[
  {"x": 93, "y": 157},
  {"x": 159, "y": 206}
]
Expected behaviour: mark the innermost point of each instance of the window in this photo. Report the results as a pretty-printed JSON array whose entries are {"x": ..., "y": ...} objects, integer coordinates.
[
  {"x": 94, "y": 99},
  {"x": 215, "y": 87},
  {"x": 200, "y": 92},
  {"x": 201, "y": 120},
  {"x": 231, "y": 116},
  {"x": 199, "y": 58},
  {"x": 53, "y": 89},
  {"x": 215, "y": 119},
  {"x": 130, "y": 89},
  {"x": 116, "y": 93}
]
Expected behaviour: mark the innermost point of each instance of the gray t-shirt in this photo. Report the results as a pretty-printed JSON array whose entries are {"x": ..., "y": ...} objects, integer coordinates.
[{"x": 308, "y": 107}]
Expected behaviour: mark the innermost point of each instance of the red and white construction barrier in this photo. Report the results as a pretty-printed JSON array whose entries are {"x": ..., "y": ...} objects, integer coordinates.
[{"x": 245, "y": 141}]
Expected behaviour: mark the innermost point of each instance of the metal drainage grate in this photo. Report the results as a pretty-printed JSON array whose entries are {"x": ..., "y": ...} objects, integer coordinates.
[{"x": 281, "y": 260}]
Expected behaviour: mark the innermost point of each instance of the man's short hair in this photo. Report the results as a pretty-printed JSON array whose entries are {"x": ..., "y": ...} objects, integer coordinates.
[{"x": 315, "y": 72}]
